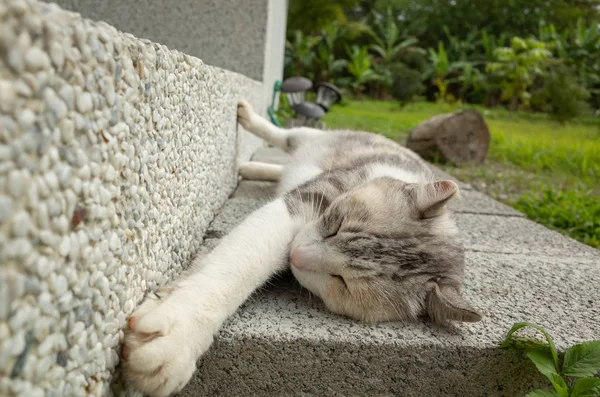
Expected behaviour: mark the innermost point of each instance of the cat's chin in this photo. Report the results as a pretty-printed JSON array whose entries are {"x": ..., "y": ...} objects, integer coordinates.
[{"x": 311, "y": 280}]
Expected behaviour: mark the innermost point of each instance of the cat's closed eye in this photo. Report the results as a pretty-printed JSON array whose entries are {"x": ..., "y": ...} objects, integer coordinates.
[
  {"x": 334, "y": 227},
  {"x": 337, "y": 276},
  {"x": 333, "y": 233}
]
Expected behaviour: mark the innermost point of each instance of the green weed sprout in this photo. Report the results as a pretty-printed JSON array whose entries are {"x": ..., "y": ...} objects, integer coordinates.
[{"x": 573, "y": 377}]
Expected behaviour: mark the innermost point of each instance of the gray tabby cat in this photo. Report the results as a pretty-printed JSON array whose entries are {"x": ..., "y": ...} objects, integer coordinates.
[{"x": 363, "y": 224}]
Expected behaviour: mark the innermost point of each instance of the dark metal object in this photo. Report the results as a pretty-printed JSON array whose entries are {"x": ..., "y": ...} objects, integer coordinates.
[
  {"x": 309, "y": 110},
  {"x": 295, "y": 89},
  {"x": 296, "y": 84},
  {"x": 327, "y": 95}
]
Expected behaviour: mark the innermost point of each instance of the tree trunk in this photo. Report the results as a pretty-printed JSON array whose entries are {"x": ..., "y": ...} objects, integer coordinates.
[{"x": 460, "y": 138}]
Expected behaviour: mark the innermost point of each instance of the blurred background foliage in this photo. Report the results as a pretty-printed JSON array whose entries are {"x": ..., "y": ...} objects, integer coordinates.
[
  {"x": 512, "y": 53},
  {"x": 531, "y": 67}
]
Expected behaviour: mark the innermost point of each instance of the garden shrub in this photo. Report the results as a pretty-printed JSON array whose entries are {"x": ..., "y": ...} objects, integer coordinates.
[
  {"x": 406, "y": 83},
  {"x": 561, "y": 94}
]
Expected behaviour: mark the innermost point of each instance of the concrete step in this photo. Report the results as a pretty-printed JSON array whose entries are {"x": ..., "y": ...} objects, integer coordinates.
[{"x": 284, "y": 342}]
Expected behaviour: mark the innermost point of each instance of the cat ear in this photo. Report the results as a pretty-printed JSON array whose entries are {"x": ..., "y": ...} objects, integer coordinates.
[
  {"x": 432, "y": 197},
  {"x": 444, "y": 303}
]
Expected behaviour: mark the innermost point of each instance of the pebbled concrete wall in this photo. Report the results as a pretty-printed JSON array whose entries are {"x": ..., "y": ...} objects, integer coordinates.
[
  {"x": 246, "y": 37},
  {"x": 115, "y": 154}
]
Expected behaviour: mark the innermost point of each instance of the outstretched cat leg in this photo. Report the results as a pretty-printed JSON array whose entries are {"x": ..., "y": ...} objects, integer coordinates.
[
  {"x": 166, "y": 336},
  {"x": 284, "y": 139},
  {"x": 256, "y": 171}
]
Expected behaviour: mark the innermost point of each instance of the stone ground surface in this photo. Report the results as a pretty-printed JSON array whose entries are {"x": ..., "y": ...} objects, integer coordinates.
[{"x": 284, "y": 342}]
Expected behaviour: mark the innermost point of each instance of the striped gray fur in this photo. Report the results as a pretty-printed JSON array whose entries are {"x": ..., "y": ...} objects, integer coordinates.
[{"x": 378, "y": 243}]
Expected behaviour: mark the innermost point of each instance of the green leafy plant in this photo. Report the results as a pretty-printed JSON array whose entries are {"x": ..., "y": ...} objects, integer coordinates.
[
  {"x": 388, "y": 41},
  {"x": 440, "y": 70},
  {"x": 359, "y": 67},
  {"x": 463, "y": 48},
  {"x": 406, "y": 84},
  {"x": 517, "y": 66},
  {"x": 573, "y": 377},
  {"x": 440, "y": 67},
  {"x": 300, "y": 54},
  {"x": 561, "y": 95},
  {"x": 329, "y": 66},
  {"x": 312, "y": 15}
]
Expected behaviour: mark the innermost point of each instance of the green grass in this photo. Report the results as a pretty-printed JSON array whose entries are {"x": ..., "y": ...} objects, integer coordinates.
[{"x": 548, "y": 170}]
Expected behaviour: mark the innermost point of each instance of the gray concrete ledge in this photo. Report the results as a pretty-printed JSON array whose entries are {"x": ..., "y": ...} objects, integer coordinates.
[{"x": 284, "y": 342}]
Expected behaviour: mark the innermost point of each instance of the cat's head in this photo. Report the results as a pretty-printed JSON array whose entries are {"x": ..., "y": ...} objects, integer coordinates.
[{"x": 386, "y": 250}]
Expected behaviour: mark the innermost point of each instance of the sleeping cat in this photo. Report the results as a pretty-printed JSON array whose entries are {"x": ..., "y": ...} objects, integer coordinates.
[{"x": 359, "y": 219}]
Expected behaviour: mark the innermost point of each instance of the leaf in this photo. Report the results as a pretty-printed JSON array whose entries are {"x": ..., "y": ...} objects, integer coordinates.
[
  {"x": 559, "y": 385},
  {"x": 586, "y": 387},
  {"x": 582, "y": 359},
  {"x": 518, "y": 326},
  {"x": 543, "y": 362},
  {"x": 542, "y": 393}
]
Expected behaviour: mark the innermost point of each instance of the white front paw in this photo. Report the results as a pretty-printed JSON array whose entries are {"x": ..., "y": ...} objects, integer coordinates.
[
  {"x": 161, "y": 347},
  {"x": 245, "y": 115}
]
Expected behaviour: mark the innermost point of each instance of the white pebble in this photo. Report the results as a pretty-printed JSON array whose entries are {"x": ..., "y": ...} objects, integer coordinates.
[
  {"x": 36, "y": 59},
  {"x": 57, "y": 55},
  {"x": 67, "y": 130},
  {"x": 84, "y": 172},
  {"x": 84, "y": 102},
  {"x": 42, "y": 325},
  {"x": 21, "y": 224},
  {"x": 64, "y": 303},
  {"x": 60, "y": 224},
  {"x": 5, "y": 207},
  {"x": 5, "y": 153},
  {"x": 42, "y": 367},
  {"x": 54, "y": 103},
  {"x": 110, "y": 174},
  {"x": 47, "y": 346},
  {"x": 17, "y": 182},
  {"x": 51, "y": 180},
  {"x": 18, "y": 248},
  {"x": 42, "y": 188},
  {"x": 58, "y": 284},
  {"x": 45, "y": 266},
  {"x": 46, "y": 304},
  {"x": 128, "y": 307},
  {"x": 105, "y": 195},
  {"x": 8, "y": 96},
  {"x": 26, "y": 118},
  {"x": 68, "y": 95},
  {"x": 17, "y": 343},
  {"x": 42, "y": 216},
  {"x": 115, "y": 242},
  {"x": 64, "y": 176},
  {"x": 15, "y": 59},
  {"x": 4, "y": 331},
  {"x": 4, "y": 302},
  {"x": 65, "y": 246}
]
